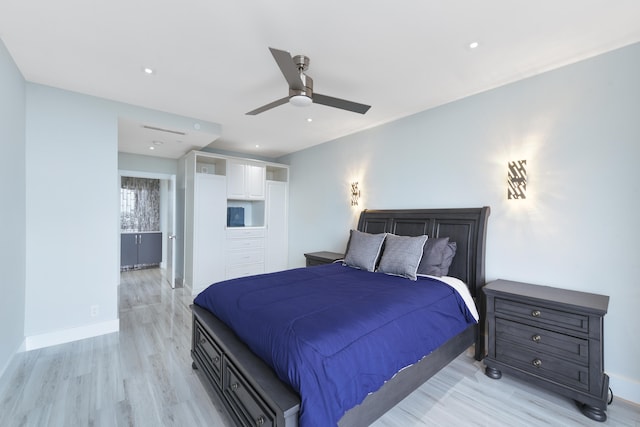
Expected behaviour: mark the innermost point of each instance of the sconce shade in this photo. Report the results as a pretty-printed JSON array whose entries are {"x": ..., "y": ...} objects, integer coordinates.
[
  {"x": 355, "y": 194},
  {"x": 517, "y": 180}
]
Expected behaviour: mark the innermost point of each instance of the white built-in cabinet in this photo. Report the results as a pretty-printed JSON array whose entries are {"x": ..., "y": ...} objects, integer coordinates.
[
  {"x": 214, "y": 251},
  {"x": 246, "y": 179}
]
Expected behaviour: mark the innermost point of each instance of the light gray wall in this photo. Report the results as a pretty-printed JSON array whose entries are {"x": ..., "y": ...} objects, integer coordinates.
[
  {"x": 578, "y": 127},
  {"x": 72, "y": 188},
  {"x": 140, "y": 163},
  {"x": 72, "y": 210},
  {"x": 12, "y": 210}
]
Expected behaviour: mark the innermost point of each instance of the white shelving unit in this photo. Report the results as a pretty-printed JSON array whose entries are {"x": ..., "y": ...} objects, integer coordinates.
[{"x": 214, "y": 251}]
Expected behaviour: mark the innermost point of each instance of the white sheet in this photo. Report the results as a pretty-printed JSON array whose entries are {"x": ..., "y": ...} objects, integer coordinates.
[{"x": 462, "y": 289}]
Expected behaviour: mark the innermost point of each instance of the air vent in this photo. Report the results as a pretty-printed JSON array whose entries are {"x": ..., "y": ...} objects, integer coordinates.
[{"x": 176, "y": 132}]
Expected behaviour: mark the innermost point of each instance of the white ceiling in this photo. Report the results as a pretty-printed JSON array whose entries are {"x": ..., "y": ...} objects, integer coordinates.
[{"x": 212, "y": 60}]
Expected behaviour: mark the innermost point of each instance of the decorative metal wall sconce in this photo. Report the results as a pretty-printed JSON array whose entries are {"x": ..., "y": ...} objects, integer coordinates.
[
  {"x": 517, "y": 180},
  {"x": 355, "y": 194}
]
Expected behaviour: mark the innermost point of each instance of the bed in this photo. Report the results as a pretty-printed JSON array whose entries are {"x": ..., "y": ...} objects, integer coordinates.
[{"x": 251, "y": 389}]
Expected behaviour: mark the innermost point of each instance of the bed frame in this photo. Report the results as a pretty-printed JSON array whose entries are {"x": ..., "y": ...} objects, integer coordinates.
[{"x": 254, "y": 396}]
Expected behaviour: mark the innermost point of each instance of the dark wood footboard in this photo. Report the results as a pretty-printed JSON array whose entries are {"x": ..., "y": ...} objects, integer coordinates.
[
  {"x": 249, "y": 389},
  {"x": 254, "y": 396}
]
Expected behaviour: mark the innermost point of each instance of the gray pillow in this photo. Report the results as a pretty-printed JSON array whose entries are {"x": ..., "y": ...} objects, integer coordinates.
[
  {"x": 433, "y": 256},
  {"x": 401, "y": 255},
  {"x": 363, "y": 250},
  {"x": 447, "y": 258}
]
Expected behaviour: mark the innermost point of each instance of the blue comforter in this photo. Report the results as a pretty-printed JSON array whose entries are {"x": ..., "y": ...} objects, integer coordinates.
[{"x": 335, "y": 333}]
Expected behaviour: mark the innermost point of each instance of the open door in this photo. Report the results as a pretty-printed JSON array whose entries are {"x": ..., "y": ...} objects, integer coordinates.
[{"x": 171, "y": 231}]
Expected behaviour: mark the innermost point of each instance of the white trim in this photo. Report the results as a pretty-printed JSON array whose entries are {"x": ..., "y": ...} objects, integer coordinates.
[
  {"x": 149, "y": 175},
  {"x": 624, "y": 388},
  {"x": 74, "y": 334}
]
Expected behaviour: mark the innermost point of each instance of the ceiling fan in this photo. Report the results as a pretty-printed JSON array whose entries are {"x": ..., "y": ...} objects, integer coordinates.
[{"x": 301, "y": 86}]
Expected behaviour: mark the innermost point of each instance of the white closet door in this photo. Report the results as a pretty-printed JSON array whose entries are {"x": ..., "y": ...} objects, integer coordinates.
[
  {"x": 277, "y": 243},
  {"x": 209, "y": 231}
]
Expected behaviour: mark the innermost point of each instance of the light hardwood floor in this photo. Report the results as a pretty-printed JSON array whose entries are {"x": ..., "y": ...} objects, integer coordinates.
[{"x": 142, "y": 376}]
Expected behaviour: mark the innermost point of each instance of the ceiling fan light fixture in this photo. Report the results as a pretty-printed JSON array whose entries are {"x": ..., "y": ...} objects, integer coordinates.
[
  {"x": 300, "y": 100},
  {"x": 301, "y": 92}
]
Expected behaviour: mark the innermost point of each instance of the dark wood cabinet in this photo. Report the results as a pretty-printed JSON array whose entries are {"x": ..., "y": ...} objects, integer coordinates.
[
  {"x": 319, "y": 258},
  {"x": 550, "y": 337},
  {"x": 140, "y": 249}
]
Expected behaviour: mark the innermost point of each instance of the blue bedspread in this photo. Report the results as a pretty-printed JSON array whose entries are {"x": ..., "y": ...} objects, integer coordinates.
[{"x": 335, "y": 333}]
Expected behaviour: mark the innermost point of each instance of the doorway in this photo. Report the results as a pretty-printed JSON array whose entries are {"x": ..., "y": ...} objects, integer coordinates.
[{"x": 166, "y": 220}]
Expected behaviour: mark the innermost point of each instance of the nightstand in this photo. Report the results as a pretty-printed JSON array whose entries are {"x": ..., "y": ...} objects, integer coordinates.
[
  {"x": 319, "y": 258},
  {"x": 549, "y": 337}
]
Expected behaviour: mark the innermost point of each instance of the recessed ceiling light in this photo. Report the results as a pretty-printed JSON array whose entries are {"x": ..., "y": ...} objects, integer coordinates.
[
  {"x": 473, "y": 45},
  {"x": 151, "y": 147},
  {"x": 309, "y": 119},
  {"x": 257, "y": 145},
  {"x": 158, "y": 143},
  {"x": 148, "y": 70}
]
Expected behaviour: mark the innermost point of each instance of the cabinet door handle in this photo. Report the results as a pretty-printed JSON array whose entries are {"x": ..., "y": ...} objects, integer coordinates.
[
  {"x": 216, "y": 360},
  {"x": 235, "y": 386},
  {"x": 202, "y": 341},
  {"x": 537, "y": 363},
  {"x": 536, "y": 338},
  {"x": 260, "y": 420},
  {"x": 535, "y": 313}
]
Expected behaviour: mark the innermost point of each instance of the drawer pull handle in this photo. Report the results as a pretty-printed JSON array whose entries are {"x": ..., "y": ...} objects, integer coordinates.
[
  {"x": 235, "y": 386},
  {"x": 537, "y": 363},
  {"x": 216, "y": 360},
  {"x": 203, "y": 341},
  {"x": 535, "y": 313},
  {"x": 260, "y": 420},
  {"x": 536, "y": 338}
]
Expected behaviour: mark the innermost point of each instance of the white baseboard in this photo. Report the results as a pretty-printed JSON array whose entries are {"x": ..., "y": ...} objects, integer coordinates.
[
  {"x": 624, "y": 388},
  {"x": 74, "y": 334}
]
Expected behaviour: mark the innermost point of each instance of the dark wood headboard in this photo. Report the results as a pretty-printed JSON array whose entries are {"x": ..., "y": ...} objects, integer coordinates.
[{"x": 466, "y": 227}]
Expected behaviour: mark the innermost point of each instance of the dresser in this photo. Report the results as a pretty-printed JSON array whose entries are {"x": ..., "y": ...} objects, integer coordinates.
[
  {"x": 245, "y": 252},
  {"x": 549, "y": 337}
]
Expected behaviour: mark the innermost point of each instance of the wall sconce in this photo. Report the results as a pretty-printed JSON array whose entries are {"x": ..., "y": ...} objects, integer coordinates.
[
  {"x": 517, "y": 180},
  {"x": 355, "y": 194}
]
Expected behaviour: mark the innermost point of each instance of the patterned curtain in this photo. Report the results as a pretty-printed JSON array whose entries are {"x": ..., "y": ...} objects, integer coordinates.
[{"x": 139, "y": 204}]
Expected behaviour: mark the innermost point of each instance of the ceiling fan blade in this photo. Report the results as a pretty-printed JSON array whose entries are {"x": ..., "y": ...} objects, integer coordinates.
[
  {"x": 268, "y": 106},
  {"x": 288, "y": 68},
  {"x": 340, "y": 103}
]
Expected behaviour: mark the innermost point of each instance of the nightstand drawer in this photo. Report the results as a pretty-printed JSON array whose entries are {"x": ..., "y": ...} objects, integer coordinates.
[
  {"x": 540, "y": 315},
  {"x": 544, "y": 365},
  {"x": 542, "y": 340}
]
